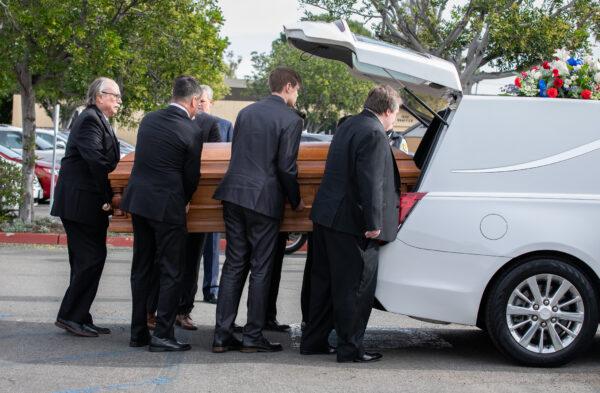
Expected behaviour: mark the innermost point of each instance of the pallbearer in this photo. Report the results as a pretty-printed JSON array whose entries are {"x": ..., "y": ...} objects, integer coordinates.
[
  {"x": 82, "y": 201},
  {"x": 356, "y": 208}
]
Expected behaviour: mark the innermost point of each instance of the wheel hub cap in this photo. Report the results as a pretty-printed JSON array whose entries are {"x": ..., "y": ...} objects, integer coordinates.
[{"x": 545, "y": 313}]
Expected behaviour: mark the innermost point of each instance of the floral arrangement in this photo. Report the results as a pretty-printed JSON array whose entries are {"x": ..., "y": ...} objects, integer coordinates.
[{"x": 565, "y": 77}]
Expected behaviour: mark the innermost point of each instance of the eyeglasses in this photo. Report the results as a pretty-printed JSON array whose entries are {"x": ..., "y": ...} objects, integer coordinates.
[{"x": 117, "y": 96}]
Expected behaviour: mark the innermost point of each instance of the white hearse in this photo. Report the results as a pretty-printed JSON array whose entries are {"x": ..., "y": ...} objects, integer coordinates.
[{"x": 502, "y": 230}]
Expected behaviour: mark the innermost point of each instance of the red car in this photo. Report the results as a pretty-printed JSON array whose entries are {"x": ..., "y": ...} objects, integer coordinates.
[{"x": 43, "y": 169}]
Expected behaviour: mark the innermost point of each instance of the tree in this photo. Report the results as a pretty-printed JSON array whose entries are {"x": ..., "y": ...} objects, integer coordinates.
[
  {"x": 328, "y": 89},
  {"x": 485, "y": 39},
  {"x": 232, "y": 63},
  {"x": 53, "y": 50}
]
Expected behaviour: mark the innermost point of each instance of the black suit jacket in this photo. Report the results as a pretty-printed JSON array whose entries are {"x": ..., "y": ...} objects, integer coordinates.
[
  {"x": 262, "y": 170},
  {"x": 166, "y": 168},
  {"x": 208, "y": 126},
  {"x": 92, "y": 152},
  {"x": 360, "y": 189}
]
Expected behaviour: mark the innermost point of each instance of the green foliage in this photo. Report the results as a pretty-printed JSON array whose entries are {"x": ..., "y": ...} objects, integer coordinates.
[
  {"x": 328, "y": 91},
  {"x": 143, "y": 45},
  {"x": 10, "y": 197},
  {"x": 39, "y": 225}
]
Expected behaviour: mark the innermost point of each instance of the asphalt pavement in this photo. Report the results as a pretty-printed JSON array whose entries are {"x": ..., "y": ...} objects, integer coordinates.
[{"x": 35, "y": 356}]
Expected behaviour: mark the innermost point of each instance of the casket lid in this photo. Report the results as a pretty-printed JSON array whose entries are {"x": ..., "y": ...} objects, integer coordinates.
[{"x": 373, "y": 59}]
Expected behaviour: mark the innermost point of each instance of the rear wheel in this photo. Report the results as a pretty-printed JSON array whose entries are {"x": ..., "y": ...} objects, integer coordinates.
[
  {"x": 542, "y": 313},
  {"x": 295, "y": 241}
]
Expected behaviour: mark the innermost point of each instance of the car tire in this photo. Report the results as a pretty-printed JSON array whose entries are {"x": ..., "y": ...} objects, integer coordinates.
[
  {"x": 549, "y": 345},
  {"x": 295, "y": 242}
]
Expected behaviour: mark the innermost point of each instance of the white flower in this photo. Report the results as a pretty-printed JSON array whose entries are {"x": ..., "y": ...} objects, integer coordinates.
[
  {"x": 561, "y": 66},
  {"x": 597, "y": 77},
  {"x": 536, "y": 74},
  {"x": 567, "y": 82},
  {"x": 589, "y": 60},
  {"x": 576, "y": 68},
  {"x": 562, "y": 54}
]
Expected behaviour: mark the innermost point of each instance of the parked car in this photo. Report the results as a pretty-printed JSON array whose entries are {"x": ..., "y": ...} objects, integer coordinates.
[
  {"x": 48, "y": 135},
  {"x": 497, "y": 234},
  {"x": 43, "y": 171},
  {"x": 12, "y": 138},
  {"x": 7, "y": 155},
  {"x": 314, "y": 137}
]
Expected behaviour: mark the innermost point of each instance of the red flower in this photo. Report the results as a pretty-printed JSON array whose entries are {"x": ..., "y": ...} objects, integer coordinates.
[
  {"x": 552, "y": 92},
  {"x": 546, "y": 65},
  {"x": 558, "y": 83},
  {"x": 524, "y": 74},
  {"x": 518, "y": 82},
  {"x": 555, "y": 73},
  {"x": 535, "y": 68},
  {"x": 586, "y": 94}
]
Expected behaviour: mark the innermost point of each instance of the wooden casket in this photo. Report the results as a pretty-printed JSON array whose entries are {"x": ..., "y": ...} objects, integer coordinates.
[{"x": 206, "y": 214}]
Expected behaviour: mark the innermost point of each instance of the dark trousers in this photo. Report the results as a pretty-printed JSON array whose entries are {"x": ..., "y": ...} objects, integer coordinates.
[
  {"x": 194, "y": 244},
  {"x": 157, "y": 247},
  {"x": 306, "y": 283},
  {"x": 87, "y": 254},
  {"x": 343, "y": 280},
  {"x": 276, "y": 276},
  {"x": 210, "y": 282},
  {"x": 251, "y": 239}
]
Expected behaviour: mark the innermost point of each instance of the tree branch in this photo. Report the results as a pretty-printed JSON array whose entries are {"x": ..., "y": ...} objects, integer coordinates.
[
  {"x": 458, "y": 29},
  {"x": 492, "y": 75},
  {"x": 563, "y": 8}
]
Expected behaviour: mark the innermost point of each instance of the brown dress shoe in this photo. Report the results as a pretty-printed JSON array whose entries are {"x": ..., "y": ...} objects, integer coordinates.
[
  {"x": 151, "y": 321},
  {"x": 185, "y": 321}
]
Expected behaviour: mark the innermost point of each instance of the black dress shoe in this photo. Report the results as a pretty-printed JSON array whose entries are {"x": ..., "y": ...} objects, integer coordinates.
[
  {"x": 365, "y": 358},
  {"x": 328, "y": 351},
  {"x": 261, "y": 345},
  {"x": 237, "y": 328},
  {"x": 76, "y": 328},
  {"x": 136, "y": 343},
  {"x": 98, "y": 329},
  {"x": 212, "y": 299},
  {"x": 276, "y": 326},
  {"x": 167, "y": 345},
  {"x": 231, "y": 344}
]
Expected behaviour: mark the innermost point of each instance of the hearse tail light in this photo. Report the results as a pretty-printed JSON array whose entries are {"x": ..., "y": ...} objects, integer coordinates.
[{"x": 408, "y": 201}]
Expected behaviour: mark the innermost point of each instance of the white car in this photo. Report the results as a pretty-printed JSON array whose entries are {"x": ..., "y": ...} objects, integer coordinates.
[
  {"x": 12, "y": 138},
  {"x": 497, "y": 234}
]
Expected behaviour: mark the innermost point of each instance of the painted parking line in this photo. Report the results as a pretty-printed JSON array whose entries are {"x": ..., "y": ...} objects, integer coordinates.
[{"x": 158, "y": 381}]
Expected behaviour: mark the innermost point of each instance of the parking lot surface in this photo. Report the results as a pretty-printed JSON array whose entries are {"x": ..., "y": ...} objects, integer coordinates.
[{"x": 35, "y": 356}]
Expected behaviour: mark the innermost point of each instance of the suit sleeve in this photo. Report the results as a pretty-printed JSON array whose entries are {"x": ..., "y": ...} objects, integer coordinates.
[
  {"x": 214, "y": 135},
  {"x": 370, "y": 165},
  {"x": 287, "y": 170},
  {"x": 88, "y": 140},
  {"x": 191, "y": 168}
]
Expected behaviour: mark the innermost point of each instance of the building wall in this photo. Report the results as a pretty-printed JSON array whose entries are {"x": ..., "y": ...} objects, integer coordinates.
[{"x": 41, "y": 117}]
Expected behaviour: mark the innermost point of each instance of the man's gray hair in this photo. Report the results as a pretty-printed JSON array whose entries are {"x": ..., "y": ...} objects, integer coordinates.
[
  {"x": 95, "y": 89},
  {"x": 208, "y": 90},
  {"x": 382, "y": 98}
]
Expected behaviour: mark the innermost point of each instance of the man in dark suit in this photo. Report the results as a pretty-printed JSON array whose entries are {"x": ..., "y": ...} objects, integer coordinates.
[
  {"x": 355, "y": 209},
  {"x": 164, "y": 177},
  {"x": 208, "y": 128},
  {"x": 262, "y": 173},
  {"x": 82, "y": 201}
]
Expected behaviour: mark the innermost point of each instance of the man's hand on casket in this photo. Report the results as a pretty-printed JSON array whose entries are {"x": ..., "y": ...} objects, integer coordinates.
[{"x": 372, "y": 234}]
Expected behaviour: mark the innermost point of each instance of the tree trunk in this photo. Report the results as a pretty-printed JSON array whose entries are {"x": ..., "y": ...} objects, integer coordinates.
[{"x": 28, "y": 117}]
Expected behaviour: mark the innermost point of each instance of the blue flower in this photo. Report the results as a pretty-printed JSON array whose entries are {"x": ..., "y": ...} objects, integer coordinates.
[{"x": 574, "y": 62}]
